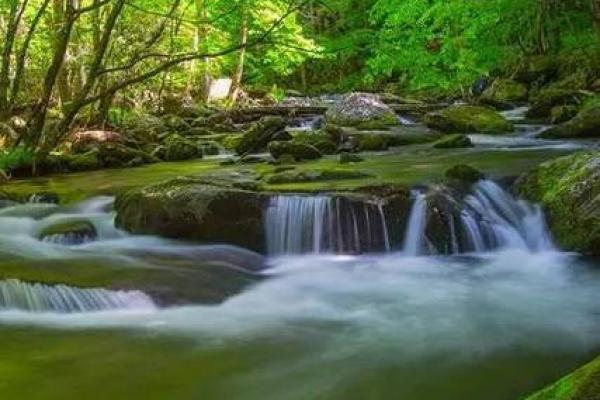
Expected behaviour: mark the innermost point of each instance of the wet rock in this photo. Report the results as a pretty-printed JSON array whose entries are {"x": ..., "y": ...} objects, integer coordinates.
[
  {"x": 320, "y": 140},
  {"x": 260, "y": 134},
  {"x": 568, "y": 188},
  {"x": 116, "y": 155},
  {"x": 442, "y": 213},
  {"x": 361, "y": 110},
  {"x": 464, "y": 173},
  {"x": 69, "y": 232},
  {"x": 300, "y": 151},
  {"x": 457, "y": 140},
  {"x": 372, "y": 141},
  {"x": 203, "y": 209},
  {"x": 543, "y": 103},
  {"x": 585, "y": 124},
  {"x": 465, "y": 119}
]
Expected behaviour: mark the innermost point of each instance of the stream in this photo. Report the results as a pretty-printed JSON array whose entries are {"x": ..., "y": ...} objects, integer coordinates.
[{"x": 335, "y": 309}]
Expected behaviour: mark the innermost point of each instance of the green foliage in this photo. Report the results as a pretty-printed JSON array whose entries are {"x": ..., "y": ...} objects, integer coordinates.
[{"x": 16, "y": 158}]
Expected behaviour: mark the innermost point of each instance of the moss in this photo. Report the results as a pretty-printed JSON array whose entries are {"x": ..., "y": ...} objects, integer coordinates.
[
  {"x": 456, "y": 140},
  {"x": 505, "y": 91},
  {"x": 321, "y": 140},
  {"x": 260, "y": 134},
  {"x": 78, "y": 226},
  {"x": 382, "y": 122},
  {"x": 464, "y": 173},
  {"x": 346, "y": 158},
  {"x": 178, "y": 148},
  {"x": 569, "y": 190},
  {"x": 300, "y": 151},
  {"x": 543, "y": 103},
  {"x": 583, "y": 384},
  {"x": 465, "y": 119},
  {"x": 315, "y": 175},
  {"x": 585, "y": 124},
  {"x": 231, "y": 142},
  {"x": 560, "y": 114},
  {"x": 373, "y": 141}
]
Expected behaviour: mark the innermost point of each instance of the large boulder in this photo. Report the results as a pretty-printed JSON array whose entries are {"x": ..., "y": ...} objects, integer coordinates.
[
  {"x": 504, "y": 92},
  {"x": 300, "y": 151},
  {"x": 362, "y": 110},
  {"x": 179, "y": 148},
  {"x": 568, "y": 188},
  {"x": 466, "y": 118},
  {"x": 203, "y": 209},
  {"x": 584, "y": 125},
  {"x": 259, "y": 135}
]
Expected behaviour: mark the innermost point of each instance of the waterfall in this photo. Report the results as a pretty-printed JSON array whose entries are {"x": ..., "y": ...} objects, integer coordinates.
[
  {"x": 413, "y": 241},
  {"x": 321, "y": 224},
  {"x": 37, "y": 297},
  {"x": 487, "y": 219},
  {"x": 503, "y": 221}
]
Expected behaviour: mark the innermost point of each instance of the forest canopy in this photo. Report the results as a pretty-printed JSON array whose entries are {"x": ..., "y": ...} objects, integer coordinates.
[{"x": 67, "y": 62}]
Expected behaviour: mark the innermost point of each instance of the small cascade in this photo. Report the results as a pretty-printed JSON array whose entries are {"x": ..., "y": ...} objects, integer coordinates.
[
  {"x": 415, "y": 233},
  {"x": 306, "y": 124},
  {"x": 70, "y": 238},
  {"x": 496, "y": 219},
  {"x": 323, "y": 224},
  {"x": 17, "y": 295},
  {"x": 488, "y": 219}
]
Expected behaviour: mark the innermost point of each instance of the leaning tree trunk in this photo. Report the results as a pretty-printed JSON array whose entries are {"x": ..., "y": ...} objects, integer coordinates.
[
  {"x": 596, "y": 16},
  {"x": 236, "y": 80},
  {"x": 16, "y": 14}
]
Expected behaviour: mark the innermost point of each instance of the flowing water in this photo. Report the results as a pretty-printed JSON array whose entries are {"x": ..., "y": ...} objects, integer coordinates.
[{"x": 343, "y": 306}]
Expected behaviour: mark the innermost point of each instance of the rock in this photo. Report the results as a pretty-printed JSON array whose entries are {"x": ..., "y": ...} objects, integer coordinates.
[
  {"x": 346, "y": 158},
  {"x": 362, "y": 110},
  {"x": 465, "y": 119},
  {"x": 585, "y": 124},
  {"x": 320, "y": 140},
  {"x": 560, "y": 114},
  {"x": 83, "y": 140},
  {"x": 285, "y": 159},
  {"x": 116, "y": 155},
  {"x": 178, "y": 148},
  {"x": 538, "y": 69},
  {"x": 503, "y": 93},
  {"x": 69, "y": 233},
  {"x": 44, "y": 198},
  {"x": 230, "y": 142},
  {"x": 260, "y": 134},
  {"x": 372, "y": 141},
  {"x": 255, "y": 159},
  {"x": 201, "y": 209},
  {"x": 299, "y": 151},
  {"x": 480, "y": 86},
  {"x": 543, "y": 103},
  {"x": 282, "y": 136},
  {"x": 457, "y": 140},
  {"x": 83, "y": 162},
  {"x": 442, "y": 210},
  {"x": 583, "y": 384},
  {"x": 464, "y": 173},
  {"x": 568, "y": 188},
  {"x": 315, "y": 175}
]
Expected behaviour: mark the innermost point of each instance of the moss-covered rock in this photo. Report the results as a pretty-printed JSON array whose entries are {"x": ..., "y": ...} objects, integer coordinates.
[
  {"x": 203, "y": 209},
  {"x": 321, "y": 140},
  {"x": 71, "y": 232},
  {"x": 260, "y": 134},
  {"x": 315, "y": 175},
  {"x": 583, "y": 384},
  {"x": 464, "y": 173},
  {"x": 465, "y": 118},
  {"x": 178, "y": 148},
  {"x": 453, "y": 141},
  {"x": 504, "y": 92},
  {"x": 560, "y": 114},
  {"x": 347, "y": 158},
  {"x": 300, "y": 151},
  {"x": 361, "y": 110},
  {"x": 584, "y": 125},
  {"x": 543, "y": 103},
  {"x": 537, "y": 69},
  {"x": 568, "y": 188},
  {"x": 372, "y": 141}
]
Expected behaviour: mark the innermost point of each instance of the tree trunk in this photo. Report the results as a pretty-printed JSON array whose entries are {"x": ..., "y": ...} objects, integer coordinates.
[
  {"x": 236, "y": 80},
  {"x": 36, "y": 127},
  {"x": 60, "y": 16},
  {"x": 596, "y": 15},
  {"x": 14, "y": 19}
]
